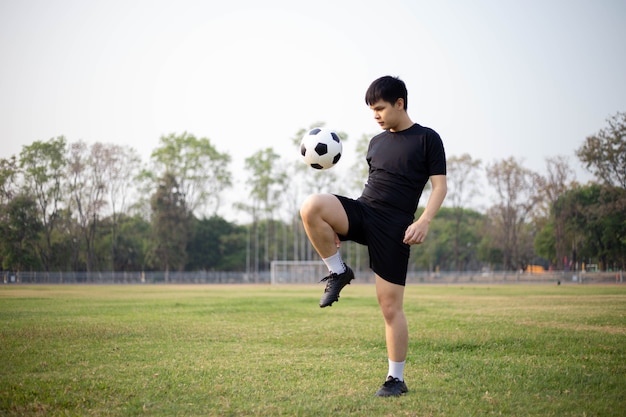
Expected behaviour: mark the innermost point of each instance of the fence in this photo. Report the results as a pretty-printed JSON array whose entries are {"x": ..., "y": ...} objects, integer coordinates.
[
  {"x": 362, "y": 277},
  {"x": 156, "y": 277},
  {"x": 503, "y": 277}
]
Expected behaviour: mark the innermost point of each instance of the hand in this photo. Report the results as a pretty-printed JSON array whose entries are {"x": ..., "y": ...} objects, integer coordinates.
[{"x": 416, "y": 233}]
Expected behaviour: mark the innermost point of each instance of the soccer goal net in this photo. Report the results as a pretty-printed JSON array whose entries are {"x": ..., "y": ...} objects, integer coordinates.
[{"x": 297, "y": 272}]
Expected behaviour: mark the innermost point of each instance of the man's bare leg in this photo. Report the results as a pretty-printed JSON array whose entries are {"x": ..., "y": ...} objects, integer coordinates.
[
  {"x": 390, "y": 298},
  {"x": 324, "y": 217}
]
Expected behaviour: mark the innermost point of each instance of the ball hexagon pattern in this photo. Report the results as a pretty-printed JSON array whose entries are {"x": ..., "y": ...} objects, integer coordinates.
[{"x": 321, "y": 148}]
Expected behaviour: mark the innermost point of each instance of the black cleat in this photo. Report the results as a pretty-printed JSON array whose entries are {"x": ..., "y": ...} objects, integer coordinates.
[
  {"x": 392, "y": 387},
  {"x": 334, "y": 285}
]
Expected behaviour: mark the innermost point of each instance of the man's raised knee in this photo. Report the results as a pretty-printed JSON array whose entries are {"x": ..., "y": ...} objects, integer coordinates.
[{"x": 308, "y": 206}]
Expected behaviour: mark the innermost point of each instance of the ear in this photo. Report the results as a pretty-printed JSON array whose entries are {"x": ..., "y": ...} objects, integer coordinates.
[{"x": 399, "y": 104}]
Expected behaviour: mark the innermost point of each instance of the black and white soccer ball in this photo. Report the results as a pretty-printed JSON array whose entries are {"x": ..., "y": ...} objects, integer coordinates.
[{"x": 321, "y": 148}]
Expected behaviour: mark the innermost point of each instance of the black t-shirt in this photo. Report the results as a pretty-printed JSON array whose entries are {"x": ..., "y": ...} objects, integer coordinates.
[{"x": 400, "y": 164}]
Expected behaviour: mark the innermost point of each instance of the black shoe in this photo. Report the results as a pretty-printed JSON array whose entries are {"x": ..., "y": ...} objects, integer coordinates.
[
  {"x": 392, "y": 387},
  {"x": 334, "y": 284}
]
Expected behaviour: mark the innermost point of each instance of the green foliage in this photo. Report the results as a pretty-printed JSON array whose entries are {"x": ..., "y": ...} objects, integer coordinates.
[
  {"x": 170, "y": 226},
  {"x": 94, "y": 212},
  {"x": 516, "y": 199},
  {"x": 545, "y": 244},
  {"x": 439, "y": 251},
  {"x": 131, "y": 247},
  {"x": 596, "y": 223},
  {"x": 266, "y": 179},
  {"x": 199, "y": 169},
  {"x": 43, "y": 167},
  {"x": 216, "y": 245},
  {"x": 19, "y": 227},
  {"x": 604, "y": 153},
  {"x": 129, "y": 251},
  {"x": 87, "y": 188},
  {"x": 9, "y": 169}
]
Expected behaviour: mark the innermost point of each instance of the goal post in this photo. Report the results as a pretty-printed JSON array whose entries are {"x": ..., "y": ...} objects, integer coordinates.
[{"x": 297, "y": 272}]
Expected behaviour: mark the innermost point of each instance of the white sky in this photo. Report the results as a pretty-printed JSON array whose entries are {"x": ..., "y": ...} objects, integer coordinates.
[{"x": 527, "y": 78}]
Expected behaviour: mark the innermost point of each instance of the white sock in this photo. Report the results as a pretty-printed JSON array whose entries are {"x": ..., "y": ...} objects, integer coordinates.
[
  {"x": 396, "y": 369},
  {"x": 335, "y": 264}
]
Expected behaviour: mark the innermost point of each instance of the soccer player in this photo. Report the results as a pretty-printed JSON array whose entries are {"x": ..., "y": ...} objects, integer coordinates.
[{"x": 401, "y": 160}]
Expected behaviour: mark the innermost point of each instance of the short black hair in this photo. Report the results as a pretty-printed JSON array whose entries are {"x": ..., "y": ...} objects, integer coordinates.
[{"x": 388, "y": 89}]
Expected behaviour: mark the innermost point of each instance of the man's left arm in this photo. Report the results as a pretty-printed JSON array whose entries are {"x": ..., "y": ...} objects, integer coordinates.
[{"x": 416, "y": 233}]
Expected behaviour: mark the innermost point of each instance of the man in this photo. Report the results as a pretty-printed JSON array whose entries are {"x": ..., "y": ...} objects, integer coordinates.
[{"x": 401, "y": 160}]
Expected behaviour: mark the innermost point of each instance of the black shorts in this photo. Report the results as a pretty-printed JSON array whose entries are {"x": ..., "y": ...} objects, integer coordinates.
[{"x": 382, "y": 232}]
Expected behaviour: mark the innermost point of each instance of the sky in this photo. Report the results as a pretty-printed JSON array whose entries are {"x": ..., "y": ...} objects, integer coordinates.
[{"x": 528, "y": 79}]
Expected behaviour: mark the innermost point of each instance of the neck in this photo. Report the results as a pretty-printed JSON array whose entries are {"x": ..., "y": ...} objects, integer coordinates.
[{"x": 404, "y": 124}]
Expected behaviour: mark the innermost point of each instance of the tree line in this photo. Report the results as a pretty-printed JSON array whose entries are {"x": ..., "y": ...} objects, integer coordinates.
[{"x": 74, "y": 206}]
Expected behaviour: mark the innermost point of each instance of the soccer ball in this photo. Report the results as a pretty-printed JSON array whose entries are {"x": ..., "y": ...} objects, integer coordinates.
[{"x": 320, "y": 148}]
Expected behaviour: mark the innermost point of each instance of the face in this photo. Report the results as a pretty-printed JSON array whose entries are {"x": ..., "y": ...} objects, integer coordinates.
[{"x": 388, "y": 115}]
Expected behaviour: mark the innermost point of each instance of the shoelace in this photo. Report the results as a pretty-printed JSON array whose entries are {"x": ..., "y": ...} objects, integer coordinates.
[
  {"x": 391, "y": 381},
  {"x": 330, "y": 280},
  {"x": 332, "y": 275}
]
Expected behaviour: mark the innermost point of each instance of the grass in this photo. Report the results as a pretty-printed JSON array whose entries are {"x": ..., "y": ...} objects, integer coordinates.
[{"x": 165, "y": 350}]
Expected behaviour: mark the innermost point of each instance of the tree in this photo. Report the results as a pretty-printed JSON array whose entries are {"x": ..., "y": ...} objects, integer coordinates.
[
  {"x": 19, "y": 228},
  {"x": 43, "y": 166},
  {"x": 559, "y": 178},
  {"x": 604, "y": 154},
  {"x": 463, "y": 183},
  {"x": 266, "y": 180},
  {"x": 437, "y": 253},
  {"x": 87, "y": 186},
  {"x": 170, "y": 226},
  {"x": 595, "y": 224},
  {"x": 200, "y": 171},
  {"x": 545, "y": 245},
  {"x": 216, "y": 245},
  {"x": 489, "y": 251},
  {"x": 8, "y": 174},
  {"x": 122, "y": 165},
  {"x": 132, "y": 243},
  {"x": 515, "y": 201}
]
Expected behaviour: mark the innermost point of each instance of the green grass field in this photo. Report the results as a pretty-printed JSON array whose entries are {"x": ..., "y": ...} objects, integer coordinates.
[{"x": 513, "y": 350}]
